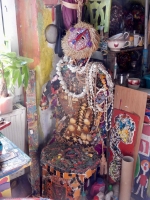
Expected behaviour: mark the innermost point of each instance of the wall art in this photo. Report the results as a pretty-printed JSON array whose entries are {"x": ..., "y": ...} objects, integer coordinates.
[{"x": 122, "y": 140}]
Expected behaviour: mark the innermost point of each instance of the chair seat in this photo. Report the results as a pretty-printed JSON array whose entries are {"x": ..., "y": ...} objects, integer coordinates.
[{"x": 67, "y": 158}]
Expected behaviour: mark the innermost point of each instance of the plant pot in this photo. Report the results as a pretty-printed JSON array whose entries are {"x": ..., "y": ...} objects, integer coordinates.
[{"x": 6, "y": 104}]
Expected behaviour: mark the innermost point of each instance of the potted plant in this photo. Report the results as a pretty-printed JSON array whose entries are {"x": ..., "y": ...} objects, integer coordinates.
[{"x": 13, "y": 71}]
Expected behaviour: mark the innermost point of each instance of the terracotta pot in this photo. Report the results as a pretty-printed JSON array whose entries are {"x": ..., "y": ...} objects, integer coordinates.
[{"x": 6, "y": 104}]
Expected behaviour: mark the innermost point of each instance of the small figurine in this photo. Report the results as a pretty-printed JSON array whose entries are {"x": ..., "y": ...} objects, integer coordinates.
[
  {"x": 143, "y": 178},
  {"x": 103, "y": 162},
  {"x": 103, "y": 165}
]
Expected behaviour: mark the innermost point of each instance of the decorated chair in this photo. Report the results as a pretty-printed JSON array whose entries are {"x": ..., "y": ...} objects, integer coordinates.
[{"x": 81, "y": 98}]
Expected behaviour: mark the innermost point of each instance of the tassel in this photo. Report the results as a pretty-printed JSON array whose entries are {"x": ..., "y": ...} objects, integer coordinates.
[{"x": 103, "y": 165}]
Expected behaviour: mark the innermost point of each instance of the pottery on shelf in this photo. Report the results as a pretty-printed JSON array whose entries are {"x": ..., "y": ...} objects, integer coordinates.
[
  {"x": 134, "y": 83},
  {"x": 120, "y": 36},
  {"x": 117, "y": 44}
]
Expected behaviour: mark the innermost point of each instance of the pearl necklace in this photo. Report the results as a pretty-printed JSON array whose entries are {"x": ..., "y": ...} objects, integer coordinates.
[
  {"x": 104, "y": 105},
  {"x": 74, "y": 68}
]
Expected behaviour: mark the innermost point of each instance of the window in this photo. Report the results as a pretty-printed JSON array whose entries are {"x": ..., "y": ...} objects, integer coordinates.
[{"x": 8, "y": 25}]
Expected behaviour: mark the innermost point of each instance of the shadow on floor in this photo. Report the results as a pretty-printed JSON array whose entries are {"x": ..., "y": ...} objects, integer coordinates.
[{"x": 21, "y": 187}]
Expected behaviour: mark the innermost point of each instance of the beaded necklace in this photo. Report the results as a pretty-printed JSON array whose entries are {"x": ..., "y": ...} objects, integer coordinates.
[
  {"x": 60, "y": 64},
  {"x": 91, "y": 71}
]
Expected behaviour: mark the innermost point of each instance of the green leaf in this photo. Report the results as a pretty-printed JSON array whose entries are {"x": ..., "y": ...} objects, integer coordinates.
[
  {"x": 25, "y": 60},
  {"x": 9, "y": 54},
  {"x": 11, "y": 68},
  {"x": 19, "y": 80},
  {"x": 6, "y": 73},
  {"x": 137, "y": 169},
  {"x": 9, "y": 82},
  {"x": 25, "y": 73},
  {"x": 15, "y": 76},
  {"x": 15, "y": 68}
]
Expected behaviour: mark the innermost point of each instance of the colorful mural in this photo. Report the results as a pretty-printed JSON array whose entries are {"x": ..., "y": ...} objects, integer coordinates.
[
  {"x": 142, "y": 173},
  {"x": 32, "y": 43},
  {"x": 44, "y": 68},
  {"x": 122, "y": 140},
  {"x": 33, "y": 138},
  {"x": 31, "y": 22}
]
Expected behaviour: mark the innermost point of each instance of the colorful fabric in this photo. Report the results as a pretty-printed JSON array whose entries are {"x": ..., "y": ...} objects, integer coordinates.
[{"x": 33, "y": 133}]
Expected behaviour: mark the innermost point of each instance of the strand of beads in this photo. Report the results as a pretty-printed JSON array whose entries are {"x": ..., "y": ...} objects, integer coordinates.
[
  {"x": 104, "y": 106},
  {"x": 71, "y": 67},
  {"x": 64, "y": 85},
  {"x": 90, "y": 88},
  {"x": 75, "y": 68}
]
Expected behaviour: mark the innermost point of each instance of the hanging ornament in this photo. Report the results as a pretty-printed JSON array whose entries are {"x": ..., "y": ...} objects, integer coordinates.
[
  {"x": 103, "y": 162},
  {"x": 103, "y": 165}
]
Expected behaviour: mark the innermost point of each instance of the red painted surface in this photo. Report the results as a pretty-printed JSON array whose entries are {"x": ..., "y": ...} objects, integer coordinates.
[
  {"x": 3, "y": 180},
  {"x": 126, "y": 147},
  {"x": 4, "y": 125},
  {"x": 26, "y": 11}
]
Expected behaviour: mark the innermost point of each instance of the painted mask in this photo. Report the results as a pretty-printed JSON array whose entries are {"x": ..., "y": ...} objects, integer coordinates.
[
  {"x": 80, "y": 41},
  {"x": 79, "y": 38}
]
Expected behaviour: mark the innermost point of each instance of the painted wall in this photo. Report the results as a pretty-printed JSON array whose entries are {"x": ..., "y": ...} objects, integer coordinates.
[{"x": 32, "y": 19}]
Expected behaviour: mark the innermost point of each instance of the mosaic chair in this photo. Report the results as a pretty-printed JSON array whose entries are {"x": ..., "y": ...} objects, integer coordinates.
[{"x": 81, "y": 98}]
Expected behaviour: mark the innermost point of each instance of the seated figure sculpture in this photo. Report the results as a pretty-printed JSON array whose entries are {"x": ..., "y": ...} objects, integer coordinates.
[{"x": 81, "y": 99}]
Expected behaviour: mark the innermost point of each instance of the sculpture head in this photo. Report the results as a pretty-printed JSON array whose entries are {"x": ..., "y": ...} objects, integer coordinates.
[{"x": 80, "y": 41}]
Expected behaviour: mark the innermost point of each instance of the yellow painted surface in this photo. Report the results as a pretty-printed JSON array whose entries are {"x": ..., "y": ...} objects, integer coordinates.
[
  {"x": 6, "y": 193},
  {"x": 44, "y": 68}
]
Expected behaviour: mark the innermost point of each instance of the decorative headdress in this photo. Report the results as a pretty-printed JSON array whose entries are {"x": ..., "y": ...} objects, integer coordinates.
[{"x": 80, "y": 41}]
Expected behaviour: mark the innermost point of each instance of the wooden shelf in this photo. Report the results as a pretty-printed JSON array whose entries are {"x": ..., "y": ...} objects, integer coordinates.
[{"x": 130, "y": 49}]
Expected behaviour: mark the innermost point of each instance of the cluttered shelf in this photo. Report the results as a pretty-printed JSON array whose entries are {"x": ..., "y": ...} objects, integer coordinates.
[
  {"x": 132, "y": 49},
  {"x": 129, "y": 49}
]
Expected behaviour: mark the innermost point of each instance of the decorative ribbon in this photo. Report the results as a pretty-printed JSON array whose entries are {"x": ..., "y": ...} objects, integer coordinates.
[
  {"x": 70, "y": 5},
  {"x": 77, "y": 7}
]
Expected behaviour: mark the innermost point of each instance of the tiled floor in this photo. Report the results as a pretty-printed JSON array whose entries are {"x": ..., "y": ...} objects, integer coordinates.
[{"x": 20, "y": 187}]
